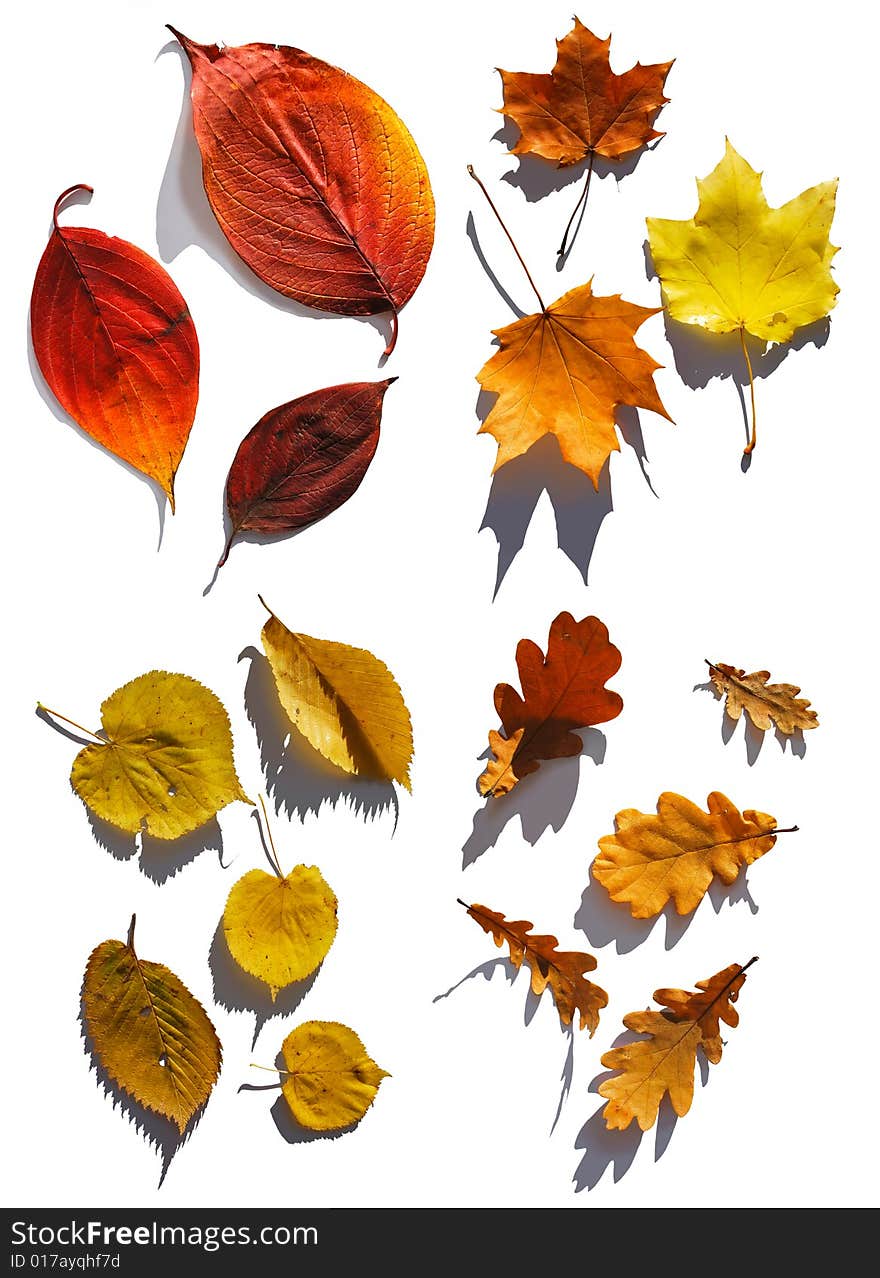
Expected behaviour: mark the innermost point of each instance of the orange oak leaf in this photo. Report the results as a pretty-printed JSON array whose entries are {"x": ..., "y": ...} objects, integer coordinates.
[
  {"x": 766, "y": 704},
  {"x": 561, "y": 693},
  {"x": 116, "y": 343},
  {"x": 674, "y": 855},
  {"x": 663, "y": 1063},
  {"x": 313, "y": 178},
  {"x": 560, "y": 970},
  {"x": 582, "y": 108}
]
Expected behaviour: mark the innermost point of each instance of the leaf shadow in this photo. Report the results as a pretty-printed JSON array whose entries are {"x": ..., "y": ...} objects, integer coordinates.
[
  {"x": 299, "y": 780},
  {"x": 578, "y": 508},
  {"x": 159, "y": 859},
  {"x": 510, "y": 972},
  {"x": 752, "y": 735},
  {"x": 701, "y": 356},
  {"x": 184, "y": 217},
  {"x": 159, "y": 1132},
  {"x": 238, "y": 991},
  {"x": 604, "y": 1148},
  {"x": 60, "y": 414},
  {"x": 542, "y": 800},
  {"x": 603, "y": 920}
]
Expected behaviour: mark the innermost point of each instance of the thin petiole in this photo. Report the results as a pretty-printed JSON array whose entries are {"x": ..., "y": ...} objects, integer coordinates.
[
  {"x": 72, "y": 722},
  {"x": 470, "y": 169},
  {"x": 750, "y": 446},
  {"x": 276, "y": 864},
  {"x": 582, "y": 200}
]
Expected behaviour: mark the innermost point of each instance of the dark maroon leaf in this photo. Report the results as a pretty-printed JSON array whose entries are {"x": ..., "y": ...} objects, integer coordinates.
[{"x": 303, "y": 459}]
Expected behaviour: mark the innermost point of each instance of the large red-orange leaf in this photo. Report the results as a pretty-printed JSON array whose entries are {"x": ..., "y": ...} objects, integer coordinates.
[
  {"x": 115, "y": 341},
  {"x": 314, "y": 179},
  {"x": 561, "y": 693},
  {"x": 304, "y": 459}
]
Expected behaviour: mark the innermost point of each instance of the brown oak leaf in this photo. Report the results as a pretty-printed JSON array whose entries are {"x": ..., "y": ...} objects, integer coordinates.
[{"x": 766, "y": 704}]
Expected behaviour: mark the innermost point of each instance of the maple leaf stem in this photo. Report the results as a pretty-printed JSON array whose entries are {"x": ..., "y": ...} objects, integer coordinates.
[
  {"x": 470, "y": 169},
  {"x": 276, "y": 864},
  {"x": 750, "y": 446},
  {"x": 72, "y": 722},
  {"x": 582, "y": 202}
]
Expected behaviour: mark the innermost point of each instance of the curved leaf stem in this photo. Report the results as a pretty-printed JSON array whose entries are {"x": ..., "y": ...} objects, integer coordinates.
[
  {"x": 582, "y": 201},
  {"x": 73, "y": 723},
  {"x": 750, "y": 446},
  {"x": 276, "y": 864},
  {"x": 470, "y": 169},
  {"x": 79, "y": 186}
]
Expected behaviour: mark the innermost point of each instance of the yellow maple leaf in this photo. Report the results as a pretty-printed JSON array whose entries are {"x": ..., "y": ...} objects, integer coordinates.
[
  {"x": 673, "y": 855},
  {"x": 765, "y": 703},
  {"x": 663, "y": 1063},
  {"x": 163, "y": 762},
  {"x": 562, "y": 971},
  {"x": 279, "y": 927},
  {"x": 150, "y": 1033},
  {"x": 330, "y": 1081},
  {"x": 740, "y": 265},
  {"x": 343, "y": 700}
]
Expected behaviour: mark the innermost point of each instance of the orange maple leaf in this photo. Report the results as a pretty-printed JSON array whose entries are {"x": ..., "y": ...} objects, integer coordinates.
[
  {"x": 663, "y": 1063},
  {"x": 561, "y": 970},
  {"x": 582, "y": 107},
  {"x": 562, "y": 692}
]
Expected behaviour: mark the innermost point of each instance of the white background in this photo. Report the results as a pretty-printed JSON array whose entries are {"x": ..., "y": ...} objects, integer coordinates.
[{"x": 768, "y": 568}]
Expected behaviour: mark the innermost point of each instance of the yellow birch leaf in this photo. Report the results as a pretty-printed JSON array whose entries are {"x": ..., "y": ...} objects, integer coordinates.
[
  {"x": 163, "y": 763},
  {"x": 330, "y": 1081},
  {"x": 674, "y": 855},
  {"x": 151, "y": 1035},
  {"x": 280, "y": 929},
  {"x": 663, "y": 1063},
  {"x": 343, "y": 700}
]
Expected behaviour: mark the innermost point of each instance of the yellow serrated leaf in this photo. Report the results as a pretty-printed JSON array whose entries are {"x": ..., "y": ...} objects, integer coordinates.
[
  {"x": 151, "y": 1035},
  {"x": 331, "y": 1081},
  {"x": 740, "y": 264},
  {"x": 280, "y": 929},
  {"x": 343, "y": 700},
  {"x": 166, "y": 766}
]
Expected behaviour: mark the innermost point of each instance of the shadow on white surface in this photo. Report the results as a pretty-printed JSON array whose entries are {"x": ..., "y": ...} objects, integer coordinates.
[
  {"x": 603, "y": 1148},
  {"x": 158, "y": 1131},
  {"x": 299, "y": 779},
  {"x": 288, "y": 1128},
  {"x": 238, "y": 991},
  {"x": 160, "y": 859},
  {"x": 537, "y": 178},
  {"x": 603, "y": 920},
  {"x": 542, "y": 800},
  {"x": 487, "y": 971},
  {"x": 753, "y": 737},
  {"x": 184, "y": 218}
]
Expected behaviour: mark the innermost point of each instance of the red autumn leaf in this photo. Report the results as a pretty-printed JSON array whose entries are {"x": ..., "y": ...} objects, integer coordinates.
[
  {"x": 315, "y": 181},
  {"x": 561, "y": 693},
  {"x": 115, "y": 342},
  {"x": 303, "y": 459}
]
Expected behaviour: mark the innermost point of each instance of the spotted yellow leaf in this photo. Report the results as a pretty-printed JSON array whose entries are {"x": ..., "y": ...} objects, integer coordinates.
[
  {"x": 162, "y": 763},
  {"x": 152, "y": 1036},
  {"x": 329, "y": 1081}
]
